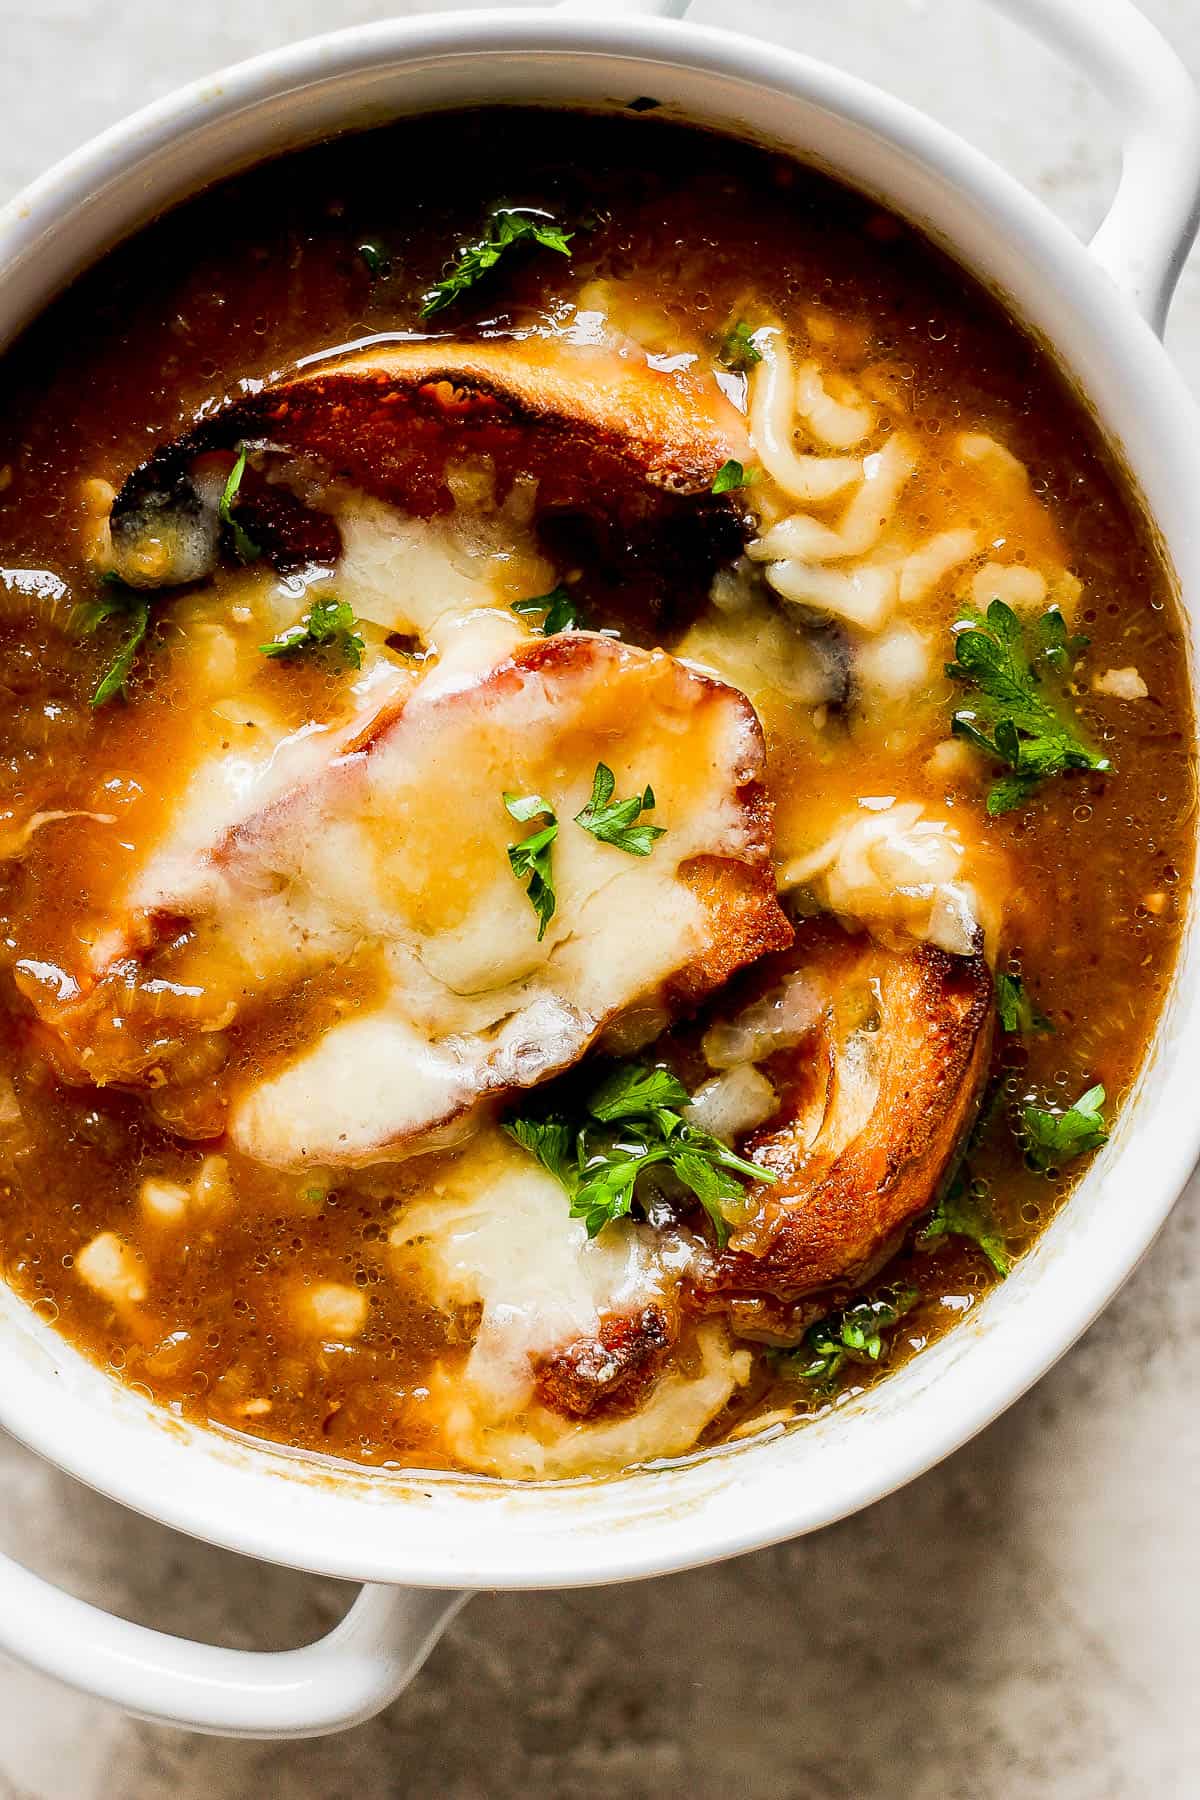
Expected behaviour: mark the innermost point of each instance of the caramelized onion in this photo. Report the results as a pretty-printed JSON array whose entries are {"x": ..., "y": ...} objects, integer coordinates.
[
  {"x": 196, "y": 1112},
  {"x": 780, "y": 1019}
]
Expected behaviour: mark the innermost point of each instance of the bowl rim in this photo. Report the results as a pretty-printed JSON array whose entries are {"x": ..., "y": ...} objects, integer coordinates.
[{"x": 748, "y": 1497}]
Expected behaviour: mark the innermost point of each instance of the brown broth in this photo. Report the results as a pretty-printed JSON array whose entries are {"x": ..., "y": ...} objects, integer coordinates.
[{"x": 239, "y": 284}]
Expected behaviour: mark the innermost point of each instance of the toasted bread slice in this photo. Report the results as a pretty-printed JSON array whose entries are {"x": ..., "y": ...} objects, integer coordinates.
[
  {"x": 600, "y": 438},
  {"x": 877, "y": 1098},
  {"x": 389, "y": 861},
  {"x": 585, "y": 420}
]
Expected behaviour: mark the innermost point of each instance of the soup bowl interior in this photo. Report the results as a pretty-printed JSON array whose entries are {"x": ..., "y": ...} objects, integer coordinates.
[{"x": 454, "y": 1531}]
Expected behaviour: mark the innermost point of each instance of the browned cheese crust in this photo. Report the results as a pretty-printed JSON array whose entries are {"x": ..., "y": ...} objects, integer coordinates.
[{"x": 612, "y": 1372}]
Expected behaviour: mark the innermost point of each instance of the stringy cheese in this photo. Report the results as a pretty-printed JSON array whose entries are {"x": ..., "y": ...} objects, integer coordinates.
[{"x": 899, "y": 870}]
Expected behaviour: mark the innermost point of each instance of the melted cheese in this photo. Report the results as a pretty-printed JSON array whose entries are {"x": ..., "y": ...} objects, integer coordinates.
[
  {"x": 249, "y": 759},
  {"x": 446, "y": 582},
  {"x": 393, "y": 852},
  {"x": 900, "y": 872},
  {"x": 544, "y": 1446},
  {"x": 406, "y": 574},
  {"x": 498, "y": 1234}
]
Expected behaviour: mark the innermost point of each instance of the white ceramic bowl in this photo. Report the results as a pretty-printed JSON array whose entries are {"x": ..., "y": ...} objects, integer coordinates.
[{"x": 420, "y": 1542}]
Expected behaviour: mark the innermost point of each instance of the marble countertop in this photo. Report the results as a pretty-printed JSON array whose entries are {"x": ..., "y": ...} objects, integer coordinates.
[{"x": 1018, "y": 1625}]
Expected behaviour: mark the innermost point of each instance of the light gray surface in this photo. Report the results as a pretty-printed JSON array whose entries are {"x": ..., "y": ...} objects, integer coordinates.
[{"x": 1020, "y": 1625}]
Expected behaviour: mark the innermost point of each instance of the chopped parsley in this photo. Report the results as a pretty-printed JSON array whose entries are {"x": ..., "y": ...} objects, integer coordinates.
[
  {"x": 551, "y": 1141},
  {"x": 561, "y": 612},
  {"x": 633, "y": 1089},
  {"x": 506, "y": 227},
  {"x": 738, "y": 350},
  {"x": 630, "y": 1123},
  {"x": 731, "y": 476},
  {"x": 1012, "y": 719},
  {"x": 530, "y": 857},
  {"x": 1054, "y": 1138},
  {"x": 1017, "y": 1012},
  {"x": 330, "y": 625},
  {"x": 615, "y": 822},
  {"x": 244, "y": 545},
  {"x": 853, "y": 1334},
  {"x": 116, "y": 602},
  {"x": 963, "y": 1212},
  {"x": 375, "y": 259}
]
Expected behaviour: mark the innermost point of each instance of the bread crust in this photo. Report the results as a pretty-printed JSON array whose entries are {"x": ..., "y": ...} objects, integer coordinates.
[
  {"x": 602, "y": 436},
  {"x": 848, "y": 1189}
]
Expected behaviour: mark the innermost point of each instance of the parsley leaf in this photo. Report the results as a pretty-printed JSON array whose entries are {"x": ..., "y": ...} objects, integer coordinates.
[
  {"x": 631, "y": 1122},
  {"x": 853, "y": 1334},
  {"x": 962, "y": 1212},
  {"x": 738, "y": 350},
  {"x": 1056, "y": 1138},
  {"x": 1017, "y": 1012},
  {"x": 704, "y": 1165},
  {"x": 715, "y": 1175},
  {"x": 117, "y": 602},
  {"x": 615, "y": 823},
  {"x": 375, "y": 259},
  {"x": 113, "y": 681},
  {"x": 114, "y": 597},
  {"x": 731, "y": 476},
  {"x": 632, "y": 1089},
  {"x": 1012, "y": 720},
  {"x": 561, "y": 612},
  {"x": 531, "y": 856},
  {"x": 89, "y": 615},
  {"x": 603, "y": 1187},
  {"x": 244, "y": 545},
  {"x": 547, "y": 1139},
  {"x": 505, "y": 228},
  {"x": 1055, "y": 644},
  {"x": 330, "y": 625}
]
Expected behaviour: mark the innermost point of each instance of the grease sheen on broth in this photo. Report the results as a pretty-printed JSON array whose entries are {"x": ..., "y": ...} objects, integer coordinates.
[{"x": 358, "y": 1310}]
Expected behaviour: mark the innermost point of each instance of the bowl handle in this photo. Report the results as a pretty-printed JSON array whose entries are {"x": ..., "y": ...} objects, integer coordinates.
[
  {"x": 1153, "y": 220},
  {"x": 341, "y": 1680}
]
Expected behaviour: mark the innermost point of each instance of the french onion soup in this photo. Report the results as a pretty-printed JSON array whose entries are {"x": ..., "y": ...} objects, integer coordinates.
[{"x": 598, "y": 797}]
